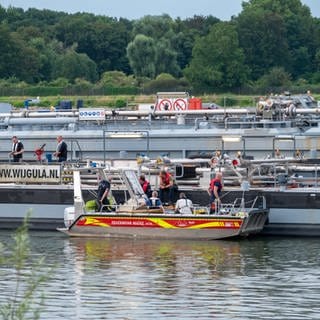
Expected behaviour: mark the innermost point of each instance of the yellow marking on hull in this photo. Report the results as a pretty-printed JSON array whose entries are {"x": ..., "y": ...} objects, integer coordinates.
[
  {"x": 162, "y": 223},
  {"x": 212, "y": 224},
  {"x": 96, "y": 222}
]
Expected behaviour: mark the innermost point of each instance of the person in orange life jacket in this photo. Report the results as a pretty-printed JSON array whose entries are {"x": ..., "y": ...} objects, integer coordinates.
[
  {"x": 166, "y": 185},
  {"x": 145, "y": 185},
  {"x": 16, "y": 150},
  {"x": 215, "y": 189}
]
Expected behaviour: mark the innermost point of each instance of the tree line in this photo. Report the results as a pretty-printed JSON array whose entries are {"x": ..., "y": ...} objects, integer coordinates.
[{"x": 270, "y": 44}]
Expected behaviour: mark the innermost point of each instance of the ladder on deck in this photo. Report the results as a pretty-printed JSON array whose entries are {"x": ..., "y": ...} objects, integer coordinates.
[{"x": 131, "y": 181}]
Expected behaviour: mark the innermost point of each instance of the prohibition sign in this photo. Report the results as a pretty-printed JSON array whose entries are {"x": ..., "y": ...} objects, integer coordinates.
[
  {"x": 164, "y": 105},
  {"x": 180, "y": 104}
]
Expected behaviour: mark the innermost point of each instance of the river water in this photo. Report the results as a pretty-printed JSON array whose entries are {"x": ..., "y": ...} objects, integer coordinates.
[{"x": 257, "y": 278}]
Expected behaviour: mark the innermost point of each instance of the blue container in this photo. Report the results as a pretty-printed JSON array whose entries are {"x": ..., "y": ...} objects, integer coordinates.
[
  {"x": 49, "y": 157},
  {"x": 66, "y": 104},
  {"x": 79, "y": 104}
]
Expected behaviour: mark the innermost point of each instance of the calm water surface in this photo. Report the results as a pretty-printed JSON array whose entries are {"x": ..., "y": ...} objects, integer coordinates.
[{"x": 264, "y": 278}]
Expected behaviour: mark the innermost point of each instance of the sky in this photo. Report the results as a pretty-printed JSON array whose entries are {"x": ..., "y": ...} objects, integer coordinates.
[{"x": 135, "y": 9}]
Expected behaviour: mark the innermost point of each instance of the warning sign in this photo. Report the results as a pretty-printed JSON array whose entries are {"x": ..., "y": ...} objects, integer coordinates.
[
  {"x": 172, "y": 101},
  {"x": 180, "y": 104},
  {"x": 172, "y": 104},
  {"x": 164, "y": 105}
]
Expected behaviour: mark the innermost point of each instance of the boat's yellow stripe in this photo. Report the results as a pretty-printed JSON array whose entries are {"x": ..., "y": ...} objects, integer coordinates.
[
  {"x": 160, "y": 222},
  {"x": 212, "y": 224},
  {"x": 215, "y": 224},
  {"x": 96, "y": 222}
]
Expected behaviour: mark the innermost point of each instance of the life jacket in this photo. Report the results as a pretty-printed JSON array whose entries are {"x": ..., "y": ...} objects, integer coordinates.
[
  {"x": 146, "y": 186},
  {"x": 166, "y": 179},
  {"x": 215, "y": 182}
]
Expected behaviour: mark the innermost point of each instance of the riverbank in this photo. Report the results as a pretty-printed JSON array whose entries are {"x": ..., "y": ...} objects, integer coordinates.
[{"x": 120, "y": 101}]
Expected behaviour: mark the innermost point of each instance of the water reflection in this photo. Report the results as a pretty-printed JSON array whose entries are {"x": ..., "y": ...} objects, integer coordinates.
[
  {"x": 138, "y": 279},
  {"x": 163, "y": 256},
  {"x": 210, "y": 279},
  {"x": 142, "y": 277}
]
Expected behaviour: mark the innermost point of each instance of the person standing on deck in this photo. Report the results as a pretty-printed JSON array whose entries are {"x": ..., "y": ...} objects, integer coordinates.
[
  {"x": 62, "y": 150},
  {"x": 17, "y": 149},
  {"x": 166, "y": 185},
  {"x": 215, "y": 190},
  {"x": 104, "y": 188}
]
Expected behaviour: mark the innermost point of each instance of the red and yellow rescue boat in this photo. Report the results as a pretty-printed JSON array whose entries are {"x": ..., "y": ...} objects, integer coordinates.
[
  {"x": 167, "y": 226},
  {"x": 141, "y": 222}
]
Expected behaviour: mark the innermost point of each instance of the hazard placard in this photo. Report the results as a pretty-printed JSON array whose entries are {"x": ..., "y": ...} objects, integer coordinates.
[
  {"x": 164, "y": 105},
  {"x": 180, "y": 104}
]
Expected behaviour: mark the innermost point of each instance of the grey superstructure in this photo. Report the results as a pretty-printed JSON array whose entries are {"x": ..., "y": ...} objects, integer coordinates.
[
  {"x": 177, "y": 134},
  {"x": 92, "y": 134}
]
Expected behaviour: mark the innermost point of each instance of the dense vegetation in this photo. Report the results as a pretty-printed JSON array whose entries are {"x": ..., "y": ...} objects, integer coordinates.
[{"x": 270, "y": 44}]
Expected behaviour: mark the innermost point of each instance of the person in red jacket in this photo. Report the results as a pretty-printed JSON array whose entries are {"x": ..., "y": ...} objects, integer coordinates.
[
  {"x": 145, "y": 184},
  {"x": 166, "y": 185},
  {"x": 215, "y": 189}
]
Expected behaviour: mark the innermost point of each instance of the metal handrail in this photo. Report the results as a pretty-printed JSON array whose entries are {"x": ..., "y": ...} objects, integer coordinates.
[{"x": 79, "y": 148}]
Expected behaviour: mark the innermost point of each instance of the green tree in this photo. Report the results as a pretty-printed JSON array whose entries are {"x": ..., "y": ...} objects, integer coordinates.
[
  {"x": 263, "y": 39},
  {"x": 185, "y": 33},
  {"x": 72, "y": 65},
  {"x": 46, "y": 59},
  {"x": 102, "y": 39},
  {"x": 3, "y": 13},
  {"x": 155, "y": 27},
  {"x": 161, "y": 30},
  {"x": 277, "y": 77},
  {"x": 217, "y": 61},
  {"x": 166, "y": 58},
  {"x": 142, "y": 56},
  {"x": 166, "y": 82},
  {"x": 276, "y": 33},
  {"x": 17, "y": 58},
  {"x": 116, "y": 79}
]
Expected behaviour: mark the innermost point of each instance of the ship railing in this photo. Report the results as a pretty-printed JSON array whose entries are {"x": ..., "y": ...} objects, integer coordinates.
[
  {"x": 238, "y": 208},
  {"x": 291, "y": 182},
  {"x": 229, "y": 208},
  {"x": 152, "y": 170},
  {"x": 89, "y": 175},
  {"x": 239, "y": 205},
  {"x": 76, "y": 151}
]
